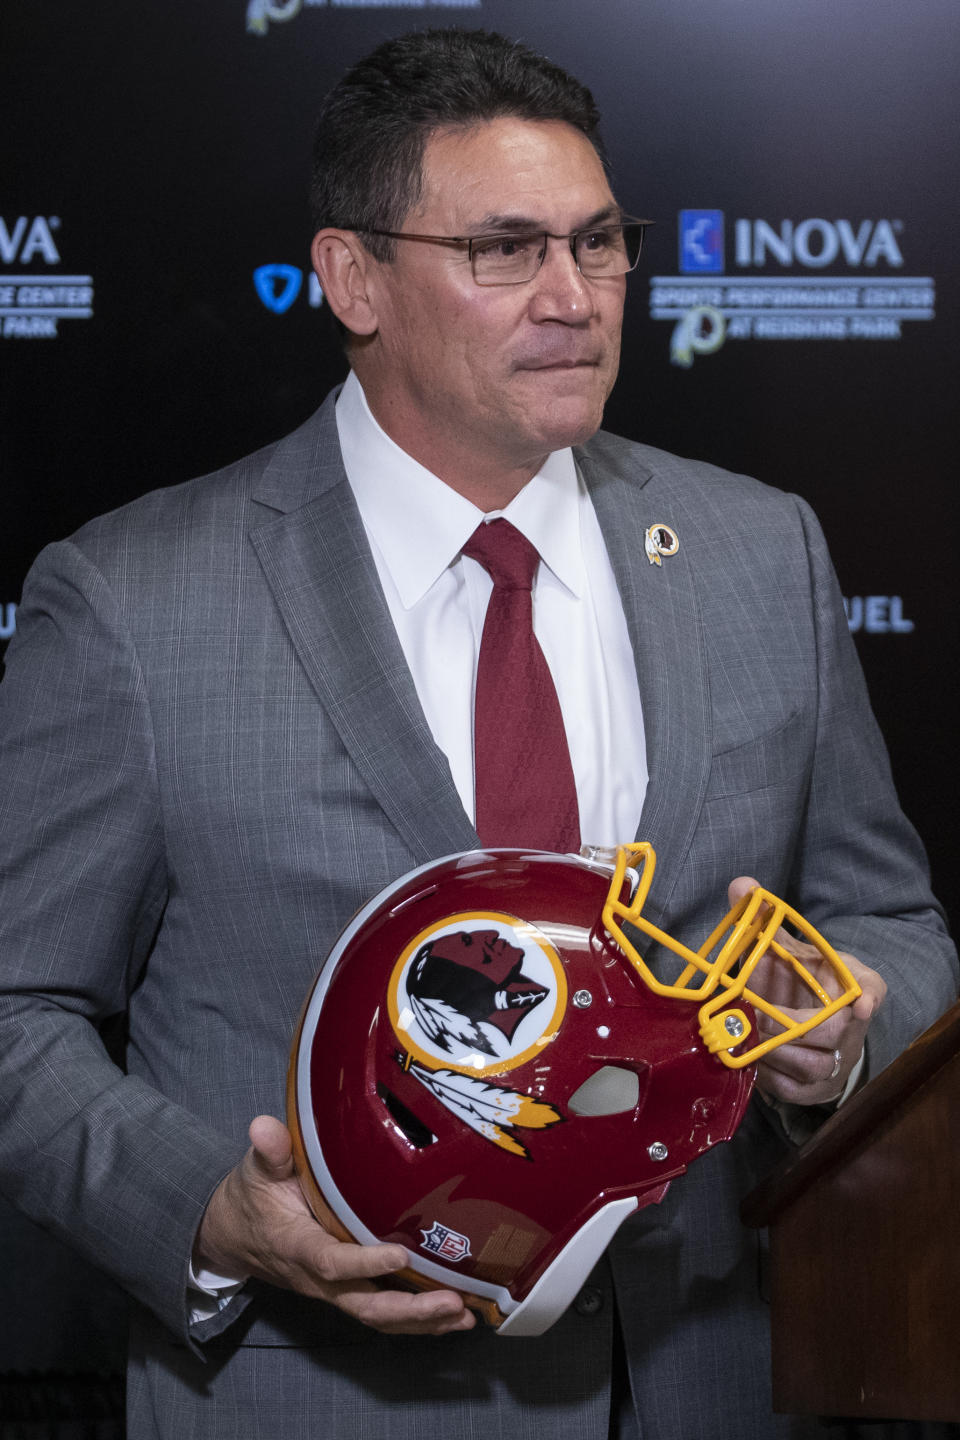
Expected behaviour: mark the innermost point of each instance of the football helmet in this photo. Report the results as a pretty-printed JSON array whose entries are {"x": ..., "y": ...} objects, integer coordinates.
[{"x": 489, "y": 1073}]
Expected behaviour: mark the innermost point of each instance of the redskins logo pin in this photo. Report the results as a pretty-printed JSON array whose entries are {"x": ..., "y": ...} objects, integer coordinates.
[{"x": 660, "y": 540}]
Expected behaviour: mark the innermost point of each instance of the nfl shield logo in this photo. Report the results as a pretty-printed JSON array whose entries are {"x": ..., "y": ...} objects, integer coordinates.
[{"x": 447, "y": 1244}]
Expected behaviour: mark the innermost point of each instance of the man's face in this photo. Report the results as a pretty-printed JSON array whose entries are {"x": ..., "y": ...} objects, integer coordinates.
[{"x": 496, "y": 375}]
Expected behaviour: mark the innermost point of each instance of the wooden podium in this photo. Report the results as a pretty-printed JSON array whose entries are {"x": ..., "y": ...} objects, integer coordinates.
[{"x": 865, "y": 1247}]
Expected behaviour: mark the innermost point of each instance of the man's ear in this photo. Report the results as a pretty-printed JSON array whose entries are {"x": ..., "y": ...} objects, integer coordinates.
[{"x": 342, "y": 263}]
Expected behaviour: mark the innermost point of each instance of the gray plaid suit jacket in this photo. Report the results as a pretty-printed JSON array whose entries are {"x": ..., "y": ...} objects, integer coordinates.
[{"x": 211, "y": 752}]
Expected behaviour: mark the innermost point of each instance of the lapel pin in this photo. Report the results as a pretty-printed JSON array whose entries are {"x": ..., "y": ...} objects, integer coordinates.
[{"x": 660, "y": 540}]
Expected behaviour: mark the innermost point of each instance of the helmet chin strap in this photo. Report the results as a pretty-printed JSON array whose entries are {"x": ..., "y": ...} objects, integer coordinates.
[{"x": 560, "y": 1282}]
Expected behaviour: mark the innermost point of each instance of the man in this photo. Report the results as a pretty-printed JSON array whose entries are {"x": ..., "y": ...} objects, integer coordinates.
[{"x": 238, "y": 708}]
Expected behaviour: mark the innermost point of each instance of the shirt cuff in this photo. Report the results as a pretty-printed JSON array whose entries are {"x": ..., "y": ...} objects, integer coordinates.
[
  {"x": 853, "y": 1080},
  {"x": 208, "y": 1293}
]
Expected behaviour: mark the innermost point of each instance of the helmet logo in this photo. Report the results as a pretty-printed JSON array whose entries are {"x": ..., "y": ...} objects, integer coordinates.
[
  {"x": 492, "y": 1110},
  {"x": 473, "y": 996},
  {"x": 478, "y": 992},
  {"x": 660, "y": 540},
  {"x": 444, "y": 1243}
]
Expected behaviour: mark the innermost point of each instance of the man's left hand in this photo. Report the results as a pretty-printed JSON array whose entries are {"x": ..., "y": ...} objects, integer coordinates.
[{"x": 814, "y": 1069}]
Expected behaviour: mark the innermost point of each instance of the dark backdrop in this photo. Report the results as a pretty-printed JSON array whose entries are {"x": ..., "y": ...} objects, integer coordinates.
[{"x": 155, "y": 158}]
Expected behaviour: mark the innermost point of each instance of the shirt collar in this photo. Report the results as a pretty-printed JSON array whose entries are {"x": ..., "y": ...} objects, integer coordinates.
[{"x": 420, "y": 525}]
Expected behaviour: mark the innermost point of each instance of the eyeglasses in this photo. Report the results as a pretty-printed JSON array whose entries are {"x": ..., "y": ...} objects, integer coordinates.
[{"x": 514, "y": 257}]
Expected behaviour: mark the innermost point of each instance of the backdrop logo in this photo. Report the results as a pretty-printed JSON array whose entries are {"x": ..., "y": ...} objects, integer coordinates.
[
  {"x": 8, "y": 620},
  {"x": 701, "y": 242},
  {"x": 24, "y": 239},
  {"x": 877, "y": 614},
  {"x": 32, "y": 303},
  {"x": 842, "y": 283},
  {"x": 278, "y": 286},
  {"x": 816, "y": 243},
  {"x": 261, "y": 13}
]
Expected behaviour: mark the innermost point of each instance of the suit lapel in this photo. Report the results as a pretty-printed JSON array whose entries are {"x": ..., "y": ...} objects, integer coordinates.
[
  {"x": 665, "y": 625},
  {"x": 318, "y": 564}
]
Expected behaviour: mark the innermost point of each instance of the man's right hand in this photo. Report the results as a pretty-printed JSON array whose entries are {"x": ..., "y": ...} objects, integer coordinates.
[{"x": 258, "y": 1223}]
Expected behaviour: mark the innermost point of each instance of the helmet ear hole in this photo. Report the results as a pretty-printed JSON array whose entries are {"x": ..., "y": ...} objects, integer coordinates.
[
  {"x": 411, "y": 1126},
  {"x": 608, "y": 1091}
]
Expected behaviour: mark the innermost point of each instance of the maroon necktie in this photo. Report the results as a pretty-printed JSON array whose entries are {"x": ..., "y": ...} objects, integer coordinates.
[{"x": 525, "y": 791}]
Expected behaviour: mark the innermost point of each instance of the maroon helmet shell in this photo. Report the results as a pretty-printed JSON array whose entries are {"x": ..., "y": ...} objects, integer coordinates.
[{"x": 482, "y": 1076}]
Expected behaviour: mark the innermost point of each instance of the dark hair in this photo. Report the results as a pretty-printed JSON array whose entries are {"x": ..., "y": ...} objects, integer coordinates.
[{"x": 375, "y": 123}]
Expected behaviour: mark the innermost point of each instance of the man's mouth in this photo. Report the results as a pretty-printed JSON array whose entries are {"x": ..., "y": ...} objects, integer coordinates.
[{"x": 558, "y": 363}]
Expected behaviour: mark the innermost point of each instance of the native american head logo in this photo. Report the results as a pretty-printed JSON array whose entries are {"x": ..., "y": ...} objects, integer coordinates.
[
  {"x": 470, "y": 998},
  {"x": 468, "y": 987},
  {"x": 658, "y": 541}
]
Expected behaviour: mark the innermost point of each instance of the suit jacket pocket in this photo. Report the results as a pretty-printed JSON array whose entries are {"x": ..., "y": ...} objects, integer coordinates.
[{"x": 764, "y": 761}]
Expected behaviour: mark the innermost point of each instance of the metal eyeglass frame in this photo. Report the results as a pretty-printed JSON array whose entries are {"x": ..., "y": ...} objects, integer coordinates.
[{"x": 625, "y": 225}]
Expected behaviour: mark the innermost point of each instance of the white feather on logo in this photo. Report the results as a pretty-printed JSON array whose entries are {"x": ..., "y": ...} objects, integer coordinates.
[
  {"x": 440, "y": 1020},
  {"x": 488, "y": 1108}
]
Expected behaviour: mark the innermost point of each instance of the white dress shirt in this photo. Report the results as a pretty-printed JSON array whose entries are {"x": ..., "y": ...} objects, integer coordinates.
[{"x": 417, "y": 526}]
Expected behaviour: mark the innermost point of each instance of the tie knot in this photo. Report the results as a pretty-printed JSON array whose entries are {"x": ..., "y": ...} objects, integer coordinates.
[{"x": 507, "y": 556}]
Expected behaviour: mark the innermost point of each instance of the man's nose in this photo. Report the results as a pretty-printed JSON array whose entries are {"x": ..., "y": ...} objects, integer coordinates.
[{"x": 561, "y": 292}]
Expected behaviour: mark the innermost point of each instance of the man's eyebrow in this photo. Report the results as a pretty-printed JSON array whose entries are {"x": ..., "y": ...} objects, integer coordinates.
[{"x": 515, "y": 223}]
